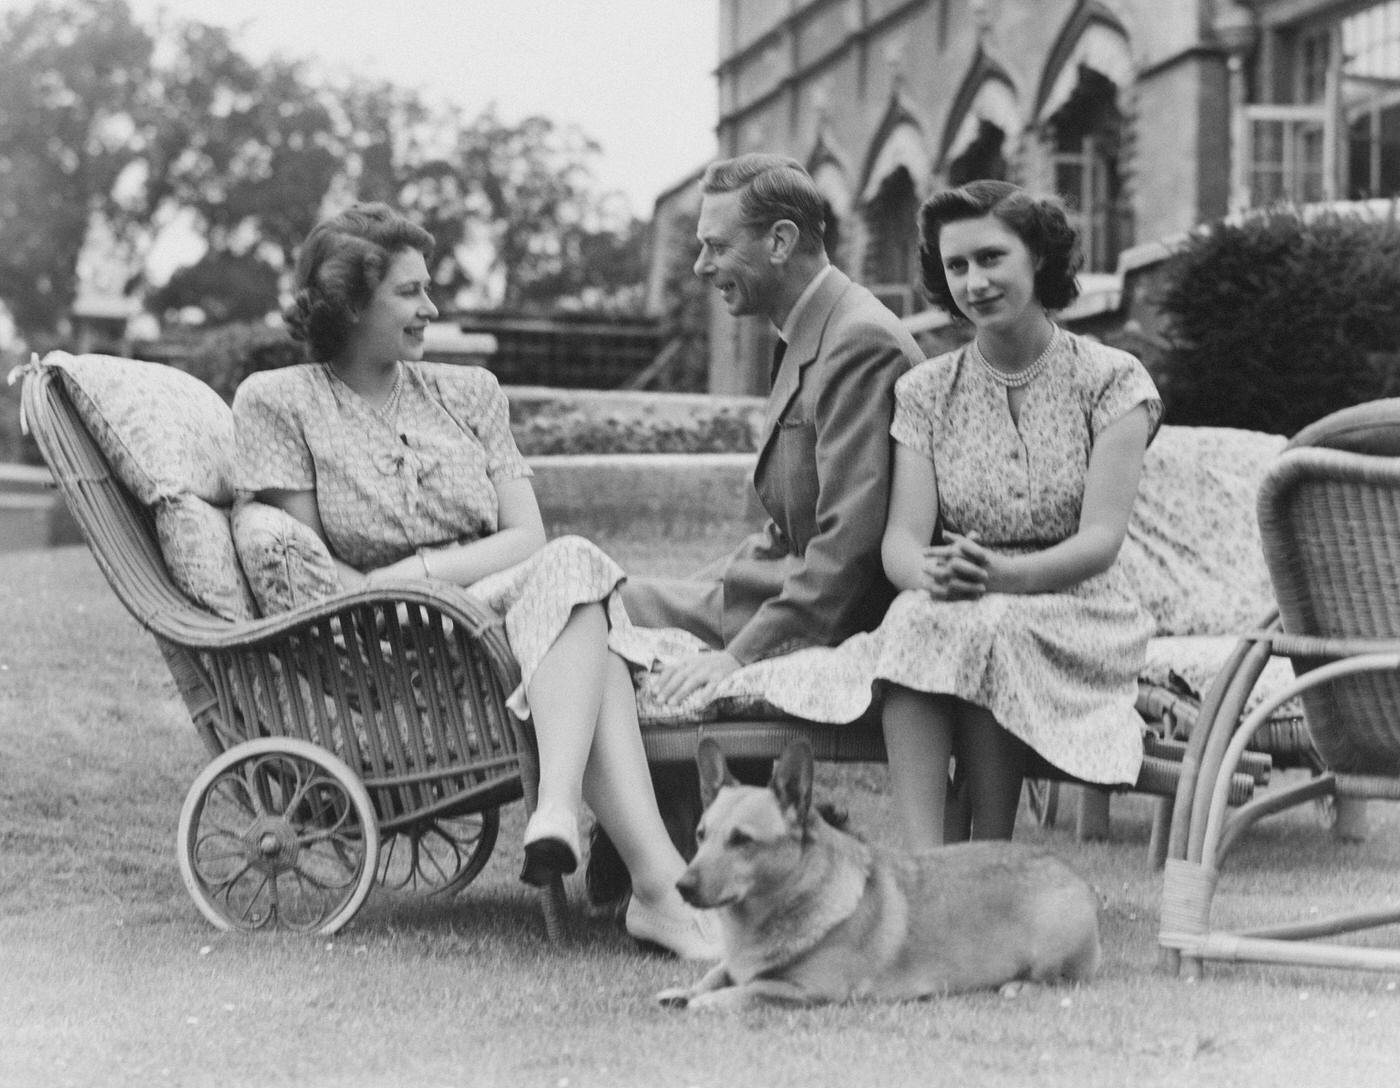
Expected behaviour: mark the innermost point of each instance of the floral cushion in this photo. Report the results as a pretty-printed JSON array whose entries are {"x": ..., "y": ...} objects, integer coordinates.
[
  {"x": 1192, "y": 550},
  {"x": 198, "y": 549},
  {"x": 287, "y": 564},
  {"x": 164, "y": 432},
  {"x": 169, "y": 439}
]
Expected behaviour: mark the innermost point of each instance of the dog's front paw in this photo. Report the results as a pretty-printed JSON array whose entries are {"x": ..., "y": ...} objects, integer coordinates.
[
  {"x": 674, "y": 998},
  {"x": 1017, "y": 987},
  {"x": 729, "y": 999}
]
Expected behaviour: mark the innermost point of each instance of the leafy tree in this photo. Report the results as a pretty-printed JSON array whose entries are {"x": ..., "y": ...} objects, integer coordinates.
[
  {"x": 249, "y": 148},
  {"x": 106, "y": 124},
  {"x": 435, "y": 197},
  {"x": 600, "y": 265},
  {"x": 225, "y": 286},
  {"x": 386, "y": 127},
  {"x": 521, "y": 197},
  {"x": 72, "y": 88}
]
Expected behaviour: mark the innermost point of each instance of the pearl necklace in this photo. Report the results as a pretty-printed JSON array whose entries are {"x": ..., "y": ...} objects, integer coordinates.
[
  {"x": 391, "y": 403},
  {"x": 1021, "y": 377}
]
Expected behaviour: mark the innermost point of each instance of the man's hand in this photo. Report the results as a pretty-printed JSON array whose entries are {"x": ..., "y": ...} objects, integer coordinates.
[{"x": 694, "y": 673}]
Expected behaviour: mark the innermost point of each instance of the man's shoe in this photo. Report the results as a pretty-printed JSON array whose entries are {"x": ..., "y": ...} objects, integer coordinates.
[{"x": 606, "y": 879}]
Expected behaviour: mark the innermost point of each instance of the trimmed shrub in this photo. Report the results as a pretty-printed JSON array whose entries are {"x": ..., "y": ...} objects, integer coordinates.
[
  {"x": 1277, "y": 320},
  {"x": 552, "y": 430},
  {"x": 227, "y": 355}
]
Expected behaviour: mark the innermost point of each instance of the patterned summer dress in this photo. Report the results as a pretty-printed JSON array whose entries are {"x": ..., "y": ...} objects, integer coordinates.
[
  {"x": 1058, "y": 669},
  {"x": 419, "y": 477}
]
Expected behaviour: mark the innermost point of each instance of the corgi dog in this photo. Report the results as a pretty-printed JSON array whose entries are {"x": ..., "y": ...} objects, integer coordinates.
[{"x": 810, "y": 914}]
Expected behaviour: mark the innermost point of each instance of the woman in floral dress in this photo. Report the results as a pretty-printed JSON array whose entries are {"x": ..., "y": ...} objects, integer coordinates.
[
  {"x": 408, "y": 470},
  {"x": 1016, "y": 468}
]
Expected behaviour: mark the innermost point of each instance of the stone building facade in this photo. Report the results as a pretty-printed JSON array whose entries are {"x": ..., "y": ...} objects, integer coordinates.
[{"x": 1147, "y": 116}]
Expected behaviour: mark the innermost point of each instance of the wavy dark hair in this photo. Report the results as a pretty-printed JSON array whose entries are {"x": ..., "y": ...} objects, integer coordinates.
[
  {"x": 1039, "y": 221},
  {"x": 771, "y": 187},
  {"x": 339, "y": 267}
]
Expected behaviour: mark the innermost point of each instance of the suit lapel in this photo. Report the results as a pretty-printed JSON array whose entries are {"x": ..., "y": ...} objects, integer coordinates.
[{"x": 802, "y": 352}]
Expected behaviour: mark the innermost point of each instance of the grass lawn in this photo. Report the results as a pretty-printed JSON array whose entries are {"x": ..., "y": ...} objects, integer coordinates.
[{"x": 110, "y": 976}]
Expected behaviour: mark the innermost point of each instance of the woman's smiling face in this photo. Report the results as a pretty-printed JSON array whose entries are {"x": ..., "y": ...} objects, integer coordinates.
[
  {"x": 391, "y": 327},
  {"x": 990, "y": 271}
]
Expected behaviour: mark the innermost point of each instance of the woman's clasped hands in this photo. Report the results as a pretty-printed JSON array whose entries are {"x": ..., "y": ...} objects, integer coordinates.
[{"x": 957, "y": 569}]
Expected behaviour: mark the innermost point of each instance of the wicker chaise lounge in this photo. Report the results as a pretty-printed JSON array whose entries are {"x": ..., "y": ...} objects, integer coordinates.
[{"x": 359, "y": 739}]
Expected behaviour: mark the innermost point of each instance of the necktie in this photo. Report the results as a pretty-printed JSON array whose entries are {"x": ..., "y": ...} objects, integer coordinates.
[{"x": 779, "y": 349}]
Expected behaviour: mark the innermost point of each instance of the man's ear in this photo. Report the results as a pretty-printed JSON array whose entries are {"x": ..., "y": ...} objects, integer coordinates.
[{"x": 783, "y": 237}]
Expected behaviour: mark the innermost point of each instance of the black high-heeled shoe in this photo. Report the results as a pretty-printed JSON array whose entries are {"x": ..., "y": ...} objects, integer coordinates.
[{"x": 551, "y": 847}]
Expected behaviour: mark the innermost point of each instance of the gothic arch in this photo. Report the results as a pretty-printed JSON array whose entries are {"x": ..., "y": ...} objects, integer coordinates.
[
  {"x": 899, "y": 141},
  {"x": 1093, "y": 38},
  {"x": 1084, "y": 129},
  {"x": 987, "y": 95},
  {"x": 829, "y": 171}
]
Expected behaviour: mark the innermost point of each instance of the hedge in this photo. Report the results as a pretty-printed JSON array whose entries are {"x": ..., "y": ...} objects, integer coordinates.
[{"x": 1276, "y": 320}]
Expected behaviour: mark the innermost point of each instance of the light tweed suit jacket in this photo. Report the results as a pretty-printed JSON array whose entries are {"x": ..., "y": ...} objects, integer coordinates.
[{"x": 812, "y": 576}]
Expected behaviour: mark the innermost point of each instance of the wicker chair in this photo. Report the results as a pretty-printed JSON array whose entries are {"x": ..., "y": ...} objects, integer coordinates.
[
  {"x": 1330, "y": 521},
  {"x": 361, "y": 739}
]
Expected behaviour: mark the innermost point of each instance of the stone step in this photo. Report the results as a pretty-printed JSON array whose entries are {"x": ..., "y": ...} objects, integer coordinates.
[{"x": 678, "y": 492}]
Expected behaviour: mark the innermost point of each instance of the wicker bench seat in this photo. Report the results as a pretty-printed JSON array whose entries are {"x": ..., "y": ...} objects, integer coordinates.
[{"x": 1193, "y": 551}]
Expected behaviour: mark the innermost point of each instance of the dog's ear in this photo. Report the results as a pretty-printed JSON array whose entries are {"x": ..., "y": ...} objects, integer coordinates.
[
  {"x": 714, "y": 771},
  {"x": 792, "y": 779}
]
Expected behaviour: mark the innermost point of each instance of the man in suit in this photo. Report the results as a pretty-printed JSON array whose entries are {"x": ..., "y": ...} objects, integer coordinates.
[{"x": 813, "y": 575}]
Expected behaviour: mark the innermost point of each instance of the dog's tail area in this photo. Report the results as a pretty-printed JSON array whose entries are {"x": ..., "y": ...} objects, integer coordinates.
[
  {"x": 1070, "y": 947},
  {"x": 1084, "y": 965}
]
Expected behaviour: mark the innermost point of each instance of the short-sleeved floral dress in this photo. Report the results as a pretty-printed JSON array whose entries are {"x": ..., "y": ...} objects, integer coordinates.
[
  {"x": 1058, "y": 670},
  {"x": 423, "y": 476}
]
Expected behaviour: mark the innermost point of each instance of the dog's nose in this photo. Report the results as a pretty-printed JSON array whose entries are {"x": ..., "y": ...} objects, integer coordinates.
[{"x": 689, "y": 887}]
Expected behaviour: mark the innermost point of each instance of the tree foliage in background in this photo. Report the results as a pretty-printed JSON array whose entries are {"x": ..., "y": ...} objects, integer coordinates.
[
  {"x": 74, "y": 75},
  {"x": 1276, "y": 321},
  {"x": 227, "y": 355},
  {"x": 104, "y": 119},
  {"x": 248, "y": 149},
  {"x": 686, "y": 321},
  {"x": 598, "y": 266},
  {"x": 224, "y": 286},
  {"x": 522, "y": 194}
]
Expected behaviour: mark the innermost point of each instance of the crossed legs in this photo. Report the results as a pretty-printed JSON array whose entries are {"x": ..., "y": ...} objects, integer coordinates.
[
  {"x": 923, "y": 733},
  {"x": 590, "y": 747}
]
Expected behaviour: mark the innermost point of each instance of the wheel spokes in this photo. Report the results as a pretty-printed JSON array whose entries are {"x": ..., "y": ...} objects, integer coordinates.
[
  {"x": 438, "y": 856},
  {"x": 278, "y": 841}
]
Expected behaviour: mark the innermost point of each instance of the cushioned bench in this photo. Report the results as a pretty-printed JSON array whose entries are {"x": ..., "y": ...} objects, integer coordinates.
[{"x": 1193, "y": 551}]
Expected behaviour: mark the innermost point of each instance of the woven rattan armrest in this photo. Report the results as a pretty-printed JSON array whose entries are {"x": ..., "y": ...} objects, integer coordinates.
[{"x": 200, "y": 630}]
